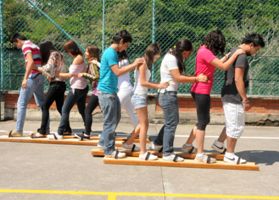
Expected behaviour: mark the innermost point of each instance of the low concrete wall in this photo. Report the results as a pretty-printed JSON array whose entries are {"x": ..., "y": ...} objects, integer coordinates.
[{"x": 264, "y": 110}]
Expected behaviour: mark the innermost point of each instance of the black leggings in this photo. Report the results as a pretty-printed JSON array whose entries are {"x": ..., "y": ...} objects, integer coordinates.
[
  {"x": 92, "y": 104},
  {"x": 202, "y": 102},
  {"x": 55, "y": 93}
]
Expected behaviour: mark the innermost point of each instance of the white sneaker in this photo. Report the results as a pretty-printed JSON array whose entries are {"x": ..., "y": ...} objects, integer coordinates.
[
  {"x": 173, "y": 157},
  {"x": 234, "y": 159},
  {"x": 116, "y": 154},
  {"x": 148, "y": 156},
  {"x": 100, "y": 146},
  {"x": 55, "y": 136},
  {"x": 130, "y": 147},
  {"x": 204, "y": 158},
  {"x": 155, "y": 146},
  {"x": 188, "y": 148},
  {"x": 218, "y": 146}
]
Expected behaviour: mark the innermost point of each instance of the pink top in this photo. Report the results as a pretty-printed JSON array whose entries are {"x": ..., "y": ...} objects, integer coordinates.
[
  {"x": 77, "y": 83},
  {"x": 203, "y": 59}
]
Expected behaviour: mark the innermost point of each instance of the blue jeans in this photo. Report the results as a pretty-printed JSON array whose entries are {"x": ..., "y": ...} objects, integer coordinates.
[
  {"x": 110, "y": 106},
  {"x": 169, "y": 103},
  {"x": 77, "y": 97},
  {"x": 35, "y": 86}
]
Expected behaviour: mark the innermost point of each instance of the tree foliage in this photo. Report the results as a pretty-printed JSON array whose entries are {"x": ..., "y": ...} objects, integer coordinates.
[{"x": 169, "y": 20}]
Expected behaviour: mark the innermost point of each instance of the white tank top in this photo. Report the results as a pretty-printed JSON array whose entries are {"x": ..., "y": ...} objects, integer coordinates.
[{"x": 138, "y": 88}]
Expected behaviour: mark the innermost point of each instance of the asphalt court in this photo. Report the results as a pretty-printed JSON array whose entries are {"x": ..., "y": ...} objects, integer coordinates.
[{"x": 41, "y": 171}]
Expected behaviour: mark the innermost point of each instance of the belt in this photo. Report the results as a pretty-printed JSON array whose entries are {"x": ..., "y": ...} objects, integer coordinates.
[{"x": 169, "y": 92}]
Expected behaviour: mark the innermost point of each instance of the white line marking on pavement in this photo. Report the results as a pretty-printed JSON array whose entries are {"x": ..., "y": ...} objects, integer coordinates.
[{"x": 243, "y": 137}]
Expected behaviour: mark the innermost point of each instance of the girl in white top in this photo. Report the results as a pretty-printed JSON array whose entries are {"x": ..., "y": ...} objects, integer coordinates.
[
  {"x": 78, "y": 93},
  {"x": 125, "y": 89},
  {"x": 125, "y": 92},
  {"x": 139, "y": 99},
  {"x": 171, "y": 71}
]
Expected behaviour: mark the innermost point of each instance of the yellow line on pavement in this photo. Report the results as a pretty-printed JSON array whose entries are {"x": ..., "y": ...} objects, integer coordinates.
[{"x": 114, "y": 195}]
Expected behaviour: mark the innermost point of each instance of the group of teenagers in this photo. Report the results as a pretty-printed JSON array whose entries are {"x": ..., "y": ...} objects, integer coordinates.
[{"x": 111, "y": 89}]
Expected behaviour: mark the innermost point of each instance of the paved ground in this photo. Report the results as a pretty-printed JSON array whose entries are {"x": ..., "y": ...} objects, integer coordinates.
[{"x": 62, "y": 172}]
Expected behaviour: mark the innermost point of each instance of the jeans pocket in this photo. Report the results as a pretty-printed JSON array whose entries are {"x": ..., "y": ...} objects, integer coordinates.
[{"x": 111, "y": 97}]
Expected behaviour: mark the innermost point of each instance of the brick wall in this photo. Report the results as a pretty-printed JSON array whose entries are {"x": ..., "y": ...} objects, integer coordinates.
[{"x": 264, "y": 110}]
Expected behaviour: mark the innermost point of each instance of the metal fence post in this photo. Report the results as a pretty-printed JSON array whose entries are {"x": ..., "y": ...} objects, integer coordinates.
[
  {"x": 153, "y": 32},
  {"x": 2, "y": 45},
  {"x": 1, "y": 56},
  {"x": 103, "y": 25}
]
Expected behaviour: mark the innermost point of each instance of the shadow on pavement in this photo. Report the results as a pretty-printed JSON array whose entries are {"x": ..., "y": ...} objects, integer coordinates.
[{"x": 260, "y": 156}]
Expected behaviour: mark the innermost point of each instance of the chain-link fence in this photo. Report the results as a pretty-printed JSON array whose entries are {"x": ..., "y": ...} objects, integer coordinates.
[{"x": 163, "y": 21}]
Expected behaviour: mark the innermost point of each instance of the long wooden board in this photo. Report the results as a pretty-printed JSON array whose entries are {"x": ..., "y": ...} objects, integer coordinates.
[
  {"x": 186, "y": 164},
  {"x": 117, "y": 138},
  {"x": 100, "y": 153},
  {"x": 65, "y": 141}
]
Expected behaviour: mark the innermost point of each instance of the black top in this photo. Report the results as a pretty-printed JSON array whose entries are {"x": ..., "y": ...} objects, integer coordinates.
[{"x": 229, "y": 91}]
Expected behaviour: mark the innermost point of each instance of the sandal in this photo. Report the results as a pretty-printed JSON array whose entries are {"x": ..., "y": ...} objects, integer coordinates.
[{"x": 37, "y": 135}]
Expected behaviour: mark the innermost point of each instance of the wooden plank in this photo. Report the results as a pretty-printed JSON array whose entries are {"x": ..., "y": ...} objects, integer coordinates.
[
  {"x": 118, "y": 138},
  {"x": 100, "y": 153},
  {"x": 96, "y": 138},
  {"x": 69, "y": 141},
  {"x": 186, "y": 164}
]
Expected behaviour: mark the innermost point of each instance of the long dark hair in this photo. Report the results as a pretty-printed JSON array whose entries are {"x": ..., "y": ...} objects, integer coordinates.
[
  {"x": 177, "y": 50},
  {"x": 46, "y": 48},
  {"x": 215, "y": 41},
  {"x": 94, "y": 52},
  {"x": 72, "y": 48},
  {"x": 150, "y": 52}
]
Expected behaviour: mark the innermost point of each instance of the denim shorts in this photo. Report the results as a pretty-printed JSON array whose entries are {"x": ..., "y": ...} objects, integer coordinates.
[{"x": 139, "y": 101}]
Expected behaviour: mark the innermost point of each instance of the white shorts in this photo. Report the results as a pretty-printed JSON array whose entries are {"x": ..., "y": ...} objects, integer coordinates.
[{"x": 235, "y": 119}]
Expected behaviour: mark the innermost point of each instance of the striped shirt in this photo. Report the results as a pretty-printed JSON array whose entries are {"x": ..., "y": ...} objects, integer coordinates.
[{"x": 30, "y": 47}]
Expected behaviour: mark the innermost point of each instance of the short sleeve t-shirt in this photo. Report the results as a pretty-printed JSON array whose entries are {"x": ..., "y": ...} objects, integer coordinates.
[
  {"x": 169, "y": 63},
  {"x": 108, "y": 80},
  {"x": 30, "y": 47},
  {"x": 203, "y": 66},
  {"x": 229, "y": 91}
]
